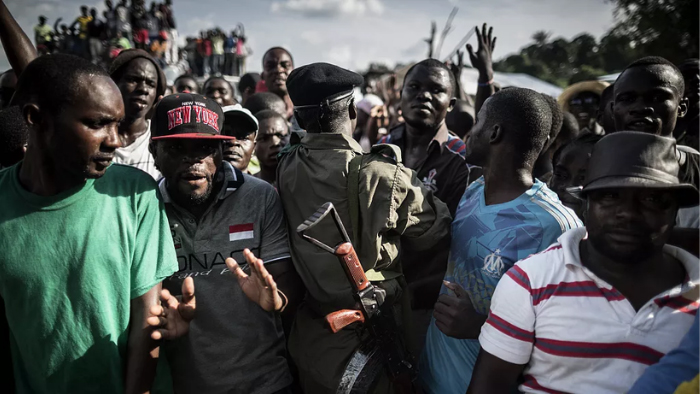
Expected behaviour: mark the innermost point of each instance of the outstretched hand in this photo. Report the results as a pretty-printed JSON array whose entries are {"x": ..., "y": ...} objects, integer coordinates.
[
  {"x": 482, "y": 59},
  {"x": 455, "y": 315},
  {"x": 457, "y": 66},
  {"x": 259, "y": 286},
  {"x": 171, "y": 319}
]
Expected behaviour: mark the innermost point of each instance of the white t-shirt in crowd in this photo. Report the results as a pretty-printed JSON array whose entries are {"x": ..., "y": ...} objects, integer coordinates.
[
  {"x": 574, "y": 331},
  {"x": 137, "y": 155}
]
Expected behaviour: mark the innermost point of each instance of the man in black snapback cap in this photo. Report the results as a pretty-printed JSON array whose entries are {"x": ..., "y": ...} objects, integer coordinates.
[
  {"x": 380, "y": 202},
  {"x": 216, "y": 213}
]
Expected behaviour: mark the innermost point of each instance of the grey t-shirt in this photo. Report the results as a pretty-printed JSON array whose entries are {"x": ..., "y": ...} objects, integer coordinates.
[{"x": 233, "y": 345}]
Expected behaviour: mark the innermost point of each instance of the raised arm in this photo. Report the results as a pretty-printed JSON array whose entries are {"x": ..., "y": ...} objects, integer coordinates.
[
  {"x": 55, "y": 25},
  {"x": 18, "y": 47},
  {"x": 482, "y": 61},
  {"x": 457, "y": 68}
]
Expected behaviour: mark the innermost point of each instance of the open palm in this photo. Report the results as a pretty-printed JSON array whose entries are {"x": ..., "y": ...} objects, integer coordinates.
[
  {"x": 171, "y": 319},
  {"x": 259, "y": 286},
  {"x": 482, "y": 58}
]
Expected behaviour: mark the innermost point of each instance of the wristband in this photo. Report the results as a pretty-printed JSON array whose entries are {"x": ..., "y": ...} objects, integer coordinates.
[
  {"x": 486, "y": 83},
  {"x": 285, "y": 301}
]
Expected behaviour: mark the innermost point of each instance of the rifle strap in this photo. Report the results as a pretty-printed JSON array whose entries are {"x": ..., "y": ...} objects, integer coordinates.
[
  {"x": 354, "y": 199},
  {"x": 354, "y": 205}
]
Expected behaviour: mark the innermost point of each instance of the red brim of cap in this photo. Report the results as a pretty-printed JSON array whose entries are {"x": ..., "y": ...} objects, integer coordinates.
[{"x": 195, "y": 136}]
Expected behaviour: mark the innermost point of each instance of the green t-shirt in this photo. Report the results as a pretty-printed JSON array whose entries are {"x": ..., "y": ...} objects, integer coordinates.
[
  {"x": 43, "y": 32},
  {"x": 69, "y": 267}
]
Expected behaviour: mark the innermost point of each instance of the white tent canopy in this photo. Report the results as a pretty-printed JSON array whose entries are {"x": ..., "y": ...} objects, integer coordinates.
[{"x": 470, "y": 78}]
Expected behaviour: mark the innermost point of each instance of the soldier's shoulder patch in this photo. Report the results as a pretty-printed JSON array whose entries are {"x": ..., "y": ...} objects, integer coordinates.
[{"x": 387, "y": 150}]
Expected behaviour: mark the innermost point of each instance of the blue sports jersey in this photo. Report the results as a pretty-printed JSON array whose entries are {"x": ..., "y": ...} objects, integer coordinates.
[{"x": 486, "y": 241}]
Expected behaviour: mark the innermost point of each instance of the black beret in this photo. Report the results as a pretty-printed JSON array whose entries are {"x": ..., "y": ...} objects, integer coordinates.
[{"x": 314, "y": 83}]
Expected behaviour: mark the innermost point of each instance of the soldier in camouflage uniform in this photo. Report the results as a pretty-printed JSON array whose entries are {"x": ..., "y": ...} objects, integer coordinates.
[{"x": 392, "y": 208}]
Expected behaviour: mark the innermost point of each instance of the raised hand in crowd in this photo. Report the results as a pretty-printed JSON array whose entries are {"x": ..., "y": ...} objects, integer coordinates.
[
  {"x": 456, "y": 67},
  {"x": 482, "y": 60},
  {"x": 455, "y": 315},
  {"x": 378, "y": 123},
  {"x": 259, "y": 286},
  {"x": 18, "y": 47},
  {"x": 171, "y": 319}
]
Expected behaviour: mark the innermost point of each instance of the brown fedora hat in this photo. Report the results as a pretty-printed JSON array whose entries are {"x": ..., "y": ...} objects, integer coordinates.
[
  {"x": 572, "y": 91},
  {"x": 631, "y": 159}
]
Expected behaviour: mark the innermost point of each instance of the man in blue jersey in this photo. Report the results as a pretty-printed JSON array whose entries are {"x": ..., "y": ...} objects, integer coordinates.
[{"x": 503, "y": 217}]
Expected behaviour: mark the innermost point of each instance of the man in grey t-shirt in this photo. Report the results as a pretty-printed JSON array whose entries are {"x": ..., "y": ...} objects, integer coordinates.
[{"x": 215, "y": 212}]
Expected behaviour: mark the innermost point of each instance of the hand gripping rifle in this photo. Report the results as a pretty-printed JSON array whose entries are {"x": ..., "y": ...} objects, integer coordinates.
[{"x": 385, "y": 349}]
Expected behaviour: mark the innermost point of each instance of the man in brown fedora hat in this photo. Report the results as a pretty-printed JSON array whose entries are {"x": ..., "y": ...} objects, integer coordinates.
[
  {"x": 583, "y": 100},
  {"x": 596, "y": 308}
]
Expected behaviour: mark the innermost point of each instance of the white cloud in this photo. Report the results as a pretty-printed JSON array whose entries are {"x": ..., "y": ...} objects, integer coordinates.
[
  {"x": 200, "y": 23},
  {"x": 329, "y": 8},
  {"x": 340, "y": 55},
  {"x": 312, "y": 37}
]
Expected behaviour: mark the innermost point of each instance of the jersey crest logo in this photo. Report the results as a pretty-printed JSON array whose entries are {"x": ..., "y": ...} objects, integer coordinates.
[
  {"x": 430, "y": 182},
  {"x": 493, "y": 265}
]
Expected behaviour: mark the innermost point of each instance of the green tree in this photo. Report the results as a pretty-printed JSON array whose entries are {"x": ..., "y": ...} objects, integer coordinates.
[
  {"x": 616, "y": 51},
  {"x": 541, "y": 38},
  {"x": 667, "y": 28},
  {"x": 584, "y": 51},
  {"x": 586, "y": 73}
]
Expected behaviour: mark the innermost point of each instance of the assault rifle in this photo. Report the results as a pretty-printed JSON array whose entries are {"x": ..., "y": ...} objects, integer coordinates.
[{"x": 384, "y": 351}]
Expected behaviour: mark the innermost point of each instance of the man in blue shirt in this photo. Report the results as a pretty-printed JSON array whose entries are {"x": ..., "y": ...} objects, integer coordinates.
[
  {"x": 677, "y": 366},
  {"x": 503, "y": 217}
]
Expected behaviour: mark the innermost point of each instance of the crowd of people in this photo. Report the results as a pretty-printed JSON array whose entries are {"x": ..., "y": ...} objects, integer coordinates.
[
  {"x": 215, "y": 52},
  {"x": 509, "y": 241},
  {"x": 100, "y": 38}
]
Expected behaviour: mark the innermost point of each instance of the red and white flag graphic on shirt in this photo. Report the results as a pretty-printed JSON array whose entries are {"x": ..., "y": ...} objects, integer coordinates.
[{"x": 240, "y": 231}]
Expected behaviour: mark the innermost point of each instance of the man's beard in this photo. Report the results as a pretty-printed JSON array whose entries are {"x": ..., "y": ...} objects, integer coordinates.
[
  {"x": 192, "y": 199},
  {"x": 201, "y": 198},
  {"x": 606, "y": 248}
]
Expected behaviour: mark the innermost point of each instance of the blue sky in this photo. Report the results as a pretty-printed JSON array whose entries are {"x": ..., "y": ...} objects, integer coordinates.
[{"x": 353, "y": 33}]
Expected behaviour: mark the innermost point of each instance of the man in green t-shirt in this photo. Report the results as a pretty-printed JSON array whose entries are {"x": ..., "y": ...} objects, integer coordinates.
[{"x": 85, "y": 244}]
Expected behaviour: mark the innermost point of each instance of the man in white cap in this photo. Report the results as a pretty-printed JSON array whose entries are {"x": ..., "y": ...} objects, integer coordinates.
[{"x": 241, "y": 124}]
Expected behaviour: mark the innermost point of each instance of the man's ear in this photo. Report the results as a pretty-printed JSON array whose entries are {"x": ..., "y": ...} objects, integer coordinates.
[
  {"x": 453, "y": 100},
  {"x": 352, "y": 111},
  {"x": 683, "y": 107},
  {"x": 31, "y": 115},
  {"x": 152, "y": 149},
  {"x": 496, "y": 134}
]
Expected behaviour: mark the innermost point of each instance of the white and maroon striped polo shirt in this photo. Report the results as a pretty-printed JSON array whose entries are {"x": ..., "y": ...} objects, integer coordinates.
[{"x": 575, "y": 332}]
